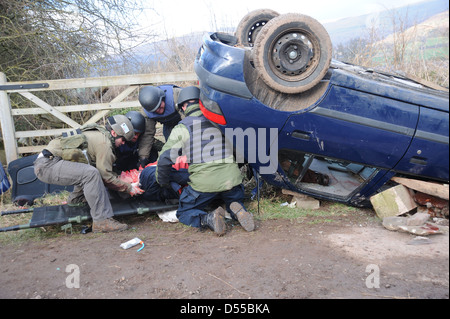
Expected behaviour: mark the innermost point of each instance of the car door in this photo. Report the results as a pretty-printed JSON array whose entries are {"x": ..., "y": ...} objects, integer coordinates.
[
  {"x": 351, "y": 131},
  {"x": 428, "y": 154},
  {"x": 354, "y": 126}
]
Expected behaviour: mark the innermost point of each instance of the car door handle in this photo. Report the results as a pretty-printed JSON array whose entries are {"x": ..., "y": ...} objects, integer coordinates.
[
  {"x": 418, "y": 160},
  {"x": 301, "y": 135}
]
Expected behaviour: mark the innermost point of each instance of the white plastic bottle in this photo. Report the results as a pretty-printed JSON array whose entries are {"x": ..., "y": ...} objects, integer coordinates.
[{"x": 131, "y": 243}]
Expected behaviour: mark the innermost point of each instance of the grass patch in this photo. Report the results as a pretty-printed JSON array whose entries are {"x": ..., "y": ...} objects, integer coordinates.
[
  {"x": 32, "y": 234},
  {"x": 273, "y": 209}
]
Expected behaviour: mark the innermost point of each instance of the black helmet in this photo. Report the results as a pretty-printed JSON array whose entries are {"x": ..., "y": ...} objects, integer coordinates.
[
  {"x": 150, "y": 97},
  {"x": 138, "y": 121},
  {"x": 187, "y": 94},
  {"x": 122, "y": 126}
]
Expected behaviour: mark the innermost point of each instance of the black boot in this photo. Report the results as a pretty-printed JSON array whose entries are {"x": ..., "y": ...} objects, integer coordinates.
[{"x": 215, "y": 221}]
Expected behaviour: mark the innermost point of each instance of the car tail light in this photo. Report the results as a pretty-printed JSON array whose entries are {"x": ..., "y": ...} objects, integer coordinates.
[{"x": 211, "y": 110}]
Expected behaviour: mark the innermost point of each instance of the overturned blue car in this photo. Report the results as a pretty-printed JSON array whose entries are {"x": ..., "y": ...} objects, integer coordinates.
[{"x": 313, "y": 125}]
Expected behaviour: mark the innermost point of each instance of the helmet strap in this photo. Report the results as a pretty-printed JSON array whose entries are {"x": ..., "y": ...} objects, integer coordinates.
[
  {"x": 189, "y": 104},
  {"x": 117, "y": 136}
]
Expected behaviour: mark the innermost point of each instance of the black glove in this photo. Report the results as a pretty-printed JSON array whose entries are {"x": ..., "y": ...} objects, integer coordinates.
[
  {"x": 142, "y": 162},
  {"x": 165, "y": 185}
]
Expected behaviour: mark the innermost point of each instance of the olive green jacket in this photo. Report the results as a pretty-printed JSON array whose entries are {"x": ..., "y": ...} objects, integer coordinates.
[
  {"x": 210, "y": 177},
  {"x": 101, "y": 155}
]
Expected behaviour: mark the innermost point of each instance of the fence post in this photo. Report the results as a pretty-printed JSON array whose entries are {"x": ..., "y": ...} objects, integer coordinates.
[{"x": 7, "y": 123}]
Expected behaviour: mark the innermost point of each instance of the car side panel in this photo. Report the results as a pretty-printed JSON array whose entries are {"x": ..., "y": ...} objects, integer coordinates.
[
  {"x": 428, "y": 154},
  {"x": 353, "y": 126}
]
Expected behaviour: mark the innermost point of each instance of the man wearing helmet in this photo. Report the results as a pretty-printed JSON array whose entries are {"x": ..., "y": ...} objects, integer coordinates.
[
  {"x": 128, "y": 153},
  {"x": 84, "y": 159},
  {"x": 159, "y": 105},
  {"x": 213, "y": 172}
]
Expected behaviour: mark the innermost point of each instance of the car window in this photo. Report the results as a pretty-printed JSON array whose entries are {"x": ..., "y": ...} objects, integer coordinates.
[{"x": 321, "y": 175}]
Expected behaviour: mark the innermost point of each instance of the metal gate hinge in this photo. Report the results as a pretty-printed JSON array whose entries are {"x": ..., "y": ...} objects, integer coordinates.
[{"x": 23, "y": 86}]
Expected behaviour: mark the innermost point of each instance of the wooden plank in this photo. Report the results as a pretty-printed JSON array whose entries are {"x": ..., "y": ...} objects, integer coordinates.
[
  {"x": 118, "y": 98},
  {"x": 302, "y": 201},
  {"x": 31, "y": 149},
  {"x": 435, "y": 189},
  {"x": 50, "y": 109},
  {"x": 7, "y": 124},
  {"x": 37, "y": 133},
  {"x": 78, "y": 108},
  {"x": 135, "y": 79}
]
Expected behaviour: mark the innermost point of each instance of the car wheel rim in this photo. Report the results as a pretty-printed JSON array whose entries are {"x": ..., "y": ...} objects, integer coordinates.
[
  {"x": 254, "y": 30},
  {"x": 294, "y": 55}
]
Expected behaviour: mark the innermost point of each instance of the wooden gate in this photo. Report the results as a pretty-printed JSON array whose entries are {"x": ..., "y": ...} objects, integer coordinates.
[{"x": 126, "y": 83}]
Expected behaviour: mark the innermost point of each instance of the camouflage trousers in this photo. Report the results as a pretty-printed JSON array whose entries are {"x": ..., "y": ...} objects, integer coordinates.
[{"x": 85, "y": 178}]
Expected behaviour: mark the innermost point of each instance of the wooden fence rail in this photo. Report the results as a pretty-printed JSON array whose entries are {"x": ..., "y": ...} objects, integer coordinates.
[{"x": 128, "y": 84}]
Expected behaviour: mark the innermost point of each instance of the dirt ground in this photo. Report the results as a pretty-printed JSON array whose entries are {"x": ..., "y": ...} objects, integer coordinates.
[{"x": 351, "y": 256}]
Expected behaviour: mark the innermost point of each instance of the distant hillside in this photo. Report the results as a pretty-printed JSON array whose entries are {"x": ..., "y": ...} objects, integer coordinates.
[
  {"x": 435, "y": 26},
  {"x": 341, "y": 31},
  {"x": 427, "y": 40}
]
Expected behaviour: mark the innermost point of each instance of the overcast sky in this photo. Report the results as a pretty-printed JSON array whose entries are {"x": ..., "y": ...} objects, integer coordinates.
[{"x": 178, "y": 17}]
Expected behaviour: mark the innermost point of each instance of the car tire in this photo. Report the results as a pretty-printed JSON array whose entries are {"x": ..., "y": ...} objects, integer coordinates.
[
  {"x": 250, "y": 25},
  {"x": 292, "y": 53}
]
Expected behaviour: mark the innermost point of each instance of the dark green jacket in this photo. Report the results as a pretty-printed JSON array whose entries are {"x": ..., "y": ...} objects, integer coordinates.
[{"x": 213, "y": 176}]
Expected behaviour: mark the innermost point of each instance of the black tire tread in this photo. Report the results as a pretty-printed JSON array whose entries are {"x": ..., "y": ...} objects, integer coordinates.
[{"x": 248, "y": 20}]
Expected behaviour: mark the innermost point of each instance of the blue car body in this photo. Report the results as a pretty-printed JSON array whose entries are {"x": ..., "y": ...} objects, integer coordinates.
[{"x": 359, "y": 128}]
